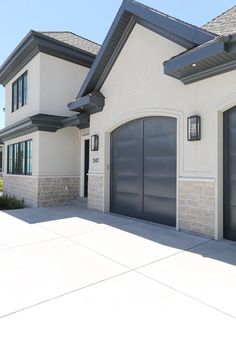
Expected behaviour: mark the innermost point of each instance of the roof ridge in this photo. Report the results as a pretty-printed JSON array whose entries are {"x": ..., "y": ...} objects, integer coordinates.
[
  {"x": 75, "y": 34},
  {"x": 224, "y": 12}
]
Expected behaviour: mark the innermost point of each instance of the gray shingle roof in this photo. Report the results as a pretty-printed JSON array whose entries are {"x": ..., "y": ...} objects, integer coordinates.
[
  {"x": 168, "y": 16},
  {"x": 223, "y": 24},
  {"x": 75, "y": 41}
]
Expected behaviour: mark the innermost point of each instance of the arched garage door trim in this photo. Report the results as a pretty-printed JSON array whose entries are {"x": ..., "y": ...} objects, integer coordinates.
[{"x": 143, "y": 169}]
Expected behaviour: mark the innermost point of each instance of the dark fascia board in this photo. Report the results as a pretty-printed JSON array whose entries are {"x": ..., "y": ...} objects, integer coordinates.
[
  {"x": 92, "y": 103},
  {"x": 193, "y": 56},
  {"x": 38, "y": 122},
  {"x": 128, "y": 15},
  {"x": 222, "y": 45},
  {"x": 36, "y": 42},
  {"x": 80, "y": 121}
]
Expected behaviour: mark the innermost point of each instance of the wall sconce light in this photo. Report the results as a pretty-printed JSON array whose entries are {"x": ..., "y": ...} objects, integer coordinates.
[
  {"x": 94, "y": 142},
  {"x": 194, "y": 128}
]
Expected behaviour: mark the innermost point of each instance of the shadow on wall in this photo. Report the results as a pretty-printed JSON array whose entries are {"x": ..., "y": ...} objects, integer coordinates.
[{"x": 222, "y": 251}]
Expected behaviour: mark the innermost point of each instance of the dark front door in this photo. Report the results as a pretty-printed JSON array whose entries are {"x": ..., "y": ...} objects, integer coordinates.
[
  {"x": 230, "y": 174},
  {"x": 143, "y": 170},
  {"x": 86, "y": 166}
]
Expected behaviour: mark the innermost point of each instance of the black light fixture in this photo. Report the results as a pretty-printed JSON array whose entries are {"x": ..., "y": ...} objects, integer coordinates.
[
  {"x": 94, "y": 142},
  {"x": 194, "y": 128}
]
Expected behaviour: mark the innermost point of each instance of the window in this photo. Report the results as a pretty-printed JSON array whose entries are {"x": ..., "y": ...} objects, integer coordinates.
[
  {"x": 19, "y": 158},
  {"x": 19, "y": 92}
]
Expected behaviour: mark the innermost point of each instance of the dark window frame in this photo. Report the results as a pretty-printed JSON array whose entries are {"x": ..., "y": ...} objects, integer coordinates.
[
  {"x": 19, "y": 158},
  {"x": 20, "y": 92}
]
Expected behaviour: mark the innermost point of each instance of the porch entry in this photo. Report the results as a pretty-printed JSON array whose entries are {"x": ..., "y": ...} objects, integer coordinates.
[
  {"x": 143, "y": 169},
  {"x": 84, "y": 165}
]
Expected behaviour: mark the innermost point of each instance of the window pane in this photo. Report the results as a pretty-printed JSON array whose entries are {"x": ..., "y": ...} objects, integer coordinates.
[
  {"x": 10, "y": 158},
  {"x": 19, "y": 92},
  {"x": 25, "y": 88},
  {"x": 14, "y": 96},
  {"x": 29, "y": 157},
  {"x": 22, "y": 158},
  {"x": 15, "y": 159},
  {"x": 20, "y": 83}
]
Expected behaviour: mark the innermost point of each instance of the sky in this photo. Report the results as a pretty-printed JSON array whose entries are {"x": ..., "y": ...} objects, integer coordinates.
[{"x": 90, "y": 19}]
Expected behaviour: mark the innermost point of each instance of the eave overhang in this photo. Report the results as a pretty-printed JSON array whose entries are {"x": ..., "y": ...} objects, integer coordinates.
[
  {"x": 92, "y": 103},
  {"x": 38, "y": 122},
  {"x": 80, "y": 120},
  {"x": 36, "y": 42},
  {"x": 213, "y": 58},
  {"x": 130, "y": 13}
]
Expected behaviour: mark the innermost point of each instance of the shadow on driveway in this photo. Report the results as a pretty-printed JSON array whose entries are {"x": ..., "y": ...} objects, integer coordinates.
[{"x": 222, "y": 251}]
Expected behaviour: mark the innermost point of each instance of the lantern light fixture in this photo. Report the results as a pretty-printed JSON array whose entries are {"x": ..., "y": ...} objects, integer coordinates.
[
  {"x": 94, "y": 143},
  {"x": 194, "y": 128}
]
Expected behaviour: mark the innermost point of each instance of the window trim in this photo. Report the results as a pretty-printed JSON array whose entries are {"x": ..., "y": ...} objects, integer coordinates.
[
  {"x": 22, "y": 81},
  {"x": 20, "y": 164}
]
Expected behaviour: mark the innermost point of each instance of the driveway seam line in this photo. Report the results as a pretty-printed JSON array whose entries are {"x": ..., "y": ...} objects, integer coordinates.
[
  {"x": 98, "y": 253},
  {"x": 65, "y": 294},
  {"x": 30, "y": 244},
  {"x": 186, "y": 295},
  {"x": 172, "y": 255}
]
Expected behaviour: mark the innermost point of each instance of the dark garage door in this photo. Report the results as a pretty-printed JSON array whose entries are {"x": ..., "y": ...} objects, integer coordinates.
[
  {"x": 143, "y": 170},
  {"x": 230, "y": 174}
]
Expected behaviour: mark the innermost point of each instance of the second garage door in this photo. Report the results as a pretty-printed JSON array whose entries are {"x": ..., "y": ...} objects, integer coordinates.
[{"x": 143, "y": 170}]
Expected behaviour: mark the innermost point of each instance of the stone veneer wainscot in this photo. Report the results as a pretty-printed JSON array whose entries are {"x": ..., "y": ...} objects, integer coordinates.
[
  {"x": 197, "y": 206},
  {"x": 95, "y": 192},
  {"x": 42, "y": 191}
]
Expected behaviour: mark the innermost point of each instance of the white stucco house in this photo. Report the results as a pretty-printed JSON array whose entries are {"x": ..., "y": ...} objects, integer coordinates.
[{"x": 144, "y": 126}]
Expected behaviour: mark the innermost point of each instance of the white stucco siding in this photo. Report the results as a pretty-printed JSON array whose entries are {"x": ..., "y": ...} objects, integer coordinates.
[
  {"x": 52, "y": 84},
  {"x": 60, "y": 81},
  {"x": 59, "y": 153},
  {"x": 137, "y": 87},
  {"x": 32, "y": 106}
]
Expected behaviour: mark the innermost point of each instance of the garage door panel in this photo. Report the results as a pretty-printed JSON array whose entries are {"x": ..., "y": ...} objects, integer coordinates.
[
  {"x": 127, "y": 184},
  {"x": 159, "y": 126},
  {"x": 160, "y": 145},
  {"x": 230, "y": 174},
  {"x": 127, "y": 149},
  {"x": 160, "y": 210},
  {"x": 163, "y": 166},
  {"x": 160, "y": 186},
  {"x": 126, "y": 179},
  {"x": 143, "y": 169},
  {"x": 231, "y": 136},
  {"x": 232, "y": 165},
  {"x": 127, "y": 204},
  {"x": 127, "y": 166},
  {"x": 232, "y": 192}
]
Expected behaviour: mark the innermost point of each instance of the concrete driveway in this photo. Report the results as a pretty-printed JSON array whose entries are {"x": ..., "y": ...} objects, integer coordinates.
[{"x": 79, "y": 281}]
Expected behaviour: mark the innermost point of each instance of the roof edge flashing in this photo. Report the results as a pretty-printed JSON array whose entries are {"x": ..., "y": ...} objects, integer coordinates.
[
  {"x": 176, "y": 30},
  {"x": 35, "y": 42}
]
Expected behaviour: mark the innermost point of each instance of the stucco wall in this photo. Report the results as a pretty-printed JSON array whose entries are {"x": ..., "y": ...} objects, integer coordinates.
[
  {"x": 52, "y": 84},
  {"x": 137, "y": 87},
  {"x": 60, "y": 81},
  {"x": 32, "y": 106},
  {"x": 59, "y": 153}
]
